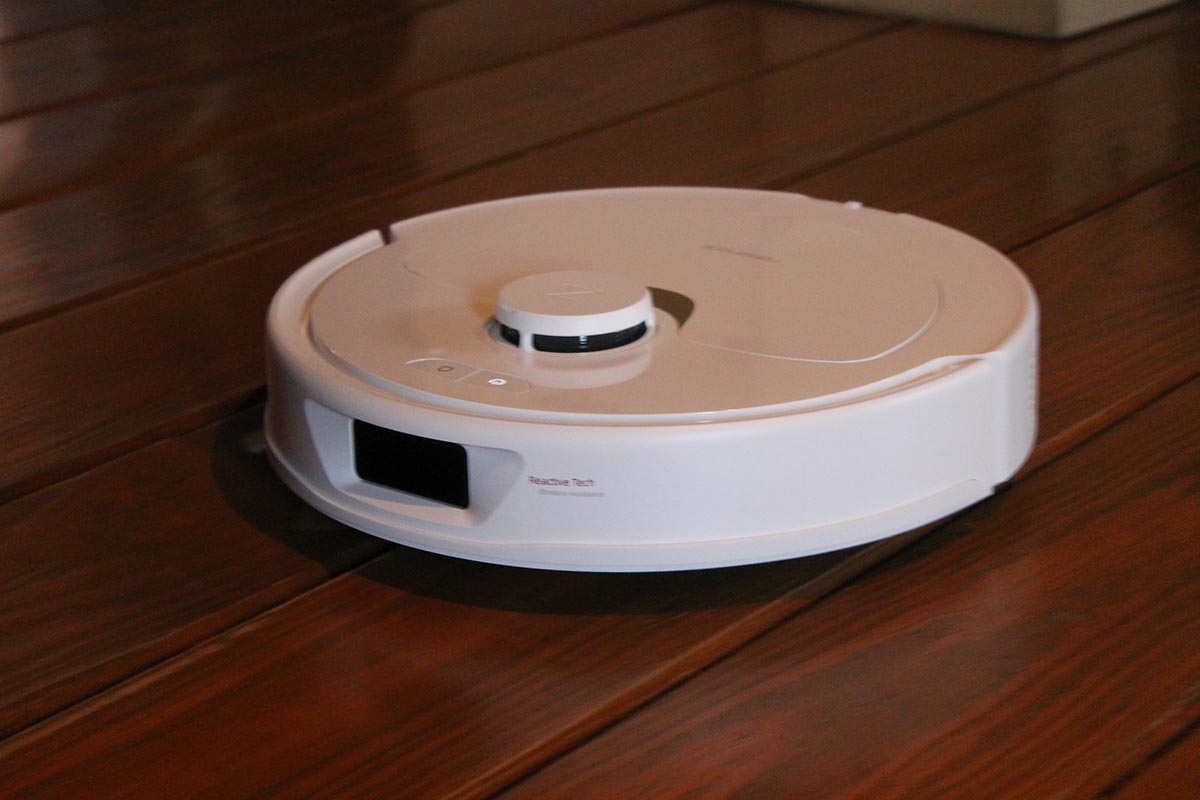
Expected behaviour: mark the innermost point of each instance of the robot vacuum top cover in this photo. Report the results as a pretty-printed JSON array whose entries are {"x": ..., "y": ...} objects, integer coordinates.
[{"x": 660, "y": 378}]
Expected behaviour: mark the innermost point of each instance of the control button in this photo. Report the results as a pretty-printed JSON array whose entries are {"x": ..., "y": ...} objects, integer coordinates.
[
  {"x": 451, "y": 370},
  {"x": 496, "y": 381}
]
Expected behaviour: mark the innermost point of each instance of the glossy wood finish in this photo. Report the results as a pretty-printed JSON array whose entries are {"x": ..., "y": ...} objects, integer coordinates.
[
  {"x": 406, "y": 81},
  {"x": 1174, "y": 774},
  {"x": 118, "y": 222},
  {"x": 572, "y": 612},
  {"x": 214, "y": 303},
  {"x": 1054, "y": 152},
  {"x": 1027, "y": 649},
  {"x": 155, "y": 42},
  {"x": 121, "y": 567},
  {"x": 172, "y": 617},
  {"x": 27, "y": 18},
  {"x": 799, "y": 121},
  {"x": 887, "y": 85}
]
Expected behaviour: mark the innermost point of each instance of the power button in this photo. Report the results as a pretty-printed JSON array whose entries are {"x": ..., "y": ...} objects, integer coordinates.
[{"x": 450, "y": 370}]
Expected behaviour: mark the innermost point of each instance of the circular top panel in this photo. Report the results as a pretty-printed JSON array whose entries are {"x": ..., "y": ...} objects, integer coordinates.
[{"x": 761, "y": 300}]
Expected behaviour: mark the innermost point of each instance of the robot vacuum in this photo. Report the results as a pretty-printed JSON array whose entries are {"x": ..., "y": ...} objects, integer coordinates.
[{"x": 651, "y": 379}]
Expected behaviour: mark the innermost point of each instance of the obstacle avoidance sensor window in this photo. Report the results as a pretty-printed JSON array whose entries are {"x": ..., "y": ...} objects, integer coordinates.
[{"x": 429, "y": 468}]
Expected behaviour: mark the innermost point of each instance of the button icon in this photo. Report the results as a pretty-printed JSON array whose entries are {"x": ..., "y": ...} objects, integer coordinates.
[
  {"x": 496, "y": 381},
  {"x": 447, "y": 369}
]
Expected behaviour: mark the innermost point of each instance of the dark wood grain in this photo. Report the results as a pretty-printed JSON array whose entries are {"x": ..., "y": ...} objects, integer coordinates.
[
  {"x": 412, "y": 676},
  {"x": 229, "y": 298},
  {"x": 163, "y": 41},
  {"x": 1172, "y": 773},
  {"x": 372, "y": 74},
  {"x": 24, "y": 18},
  {"x": 177, "y": 325},
  {"x": 173, "y": 622},
  {"x": 178, "y": 329},
  {"x": 513, "y": 667},
  {"x": 801, "y": 121},
  {"x": 86, "y": 386},
  {"x": 1144, "y": 251},
  {"x": 121, "y": 567},
  {"x": 1017, "y": 653},
  {"x": 168, "y": 41},
  {"x": 1048, "y": 153},
  {"x": 759, "y": 132}
]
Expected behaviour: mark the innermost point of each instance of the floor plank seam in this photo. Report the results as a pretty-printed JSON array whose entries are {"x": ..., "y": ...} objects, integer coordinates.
[
  {"x": 346, "y": 208},
  {"x": 423, "y": 183},
  {"x": 1108, "y": 202},
  {"x": 742, "y": 633},
  {"x": 1072, "y": 439},
  {"x": 172, "y": 661},
  {"x": 326, "y": 33},
  {"x": 236, "y": 404},
  {"x": 178, "y": 426},
  {"x": 265, "y": 239},
  {"x": 642, "y": 22},
  {"x": 908, "y": 541},
  {"x": 180, "y": 617},
  {"x": 1156, "y": 755},
  {"x": 1159, "y": 752},
  {"x": 253, "y": 244},
  {"x": 1084, "y": 430},
  {"x": 51, "y": 30},
  {"x": 931, "y": 125},
  {"x": 131, "y": 170}
]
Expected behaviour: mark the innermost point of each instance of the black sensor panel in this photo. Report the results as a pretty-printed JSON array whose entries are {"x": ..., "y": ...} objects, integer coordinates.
[{"x": 428, "y": 468}]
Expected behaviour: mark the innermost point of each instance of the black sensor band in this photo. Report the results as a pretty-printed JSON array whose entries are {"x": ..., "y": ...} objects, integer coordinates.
[{"x": 577, "y": 344}]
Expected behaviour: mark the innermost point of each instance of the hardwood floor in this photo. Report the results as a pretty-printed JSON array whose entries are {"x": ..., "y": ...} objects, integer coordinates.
[{"x": 174, "y": 622}]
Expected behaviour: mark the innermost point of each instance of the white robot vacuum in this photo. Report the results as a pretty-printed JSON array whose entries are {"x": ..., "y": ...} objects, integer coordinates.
[{"x": 651, "y": 379}]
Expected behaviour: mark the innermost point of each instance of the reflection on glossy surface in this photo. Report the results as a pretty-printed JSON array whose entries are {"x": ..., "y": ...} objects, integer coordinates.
[{"x": 170, "y": 631}]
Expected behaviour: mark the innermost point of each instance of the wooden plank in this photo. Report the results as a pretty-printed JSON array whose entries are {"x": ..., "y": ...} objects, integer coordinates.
[
  {"x": 1123, "y": 261},
  {"x": 173, "y": 40},
  {"x": 1171, "y": 774},
  {"x": 1016, "y": 653},
  {"x": 107, "y": 378},
  {"x": 799, "y": 122},
  {"x": 219, "y": 307},
  {"x": 229, "y": 298},
  {"x": 444, "y": 677},
  {"x": 201, "y": 310},
  {"x": 820, "y": 111},
  {"x": 163, "y": 42},
  {"x": 121, "y": 567},
  {"x": 414, "y": 643},
  {"x": 371, "y": 74},
  {"x": 32, "y": 17},
  {"x": 1133, "y": 114}
]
